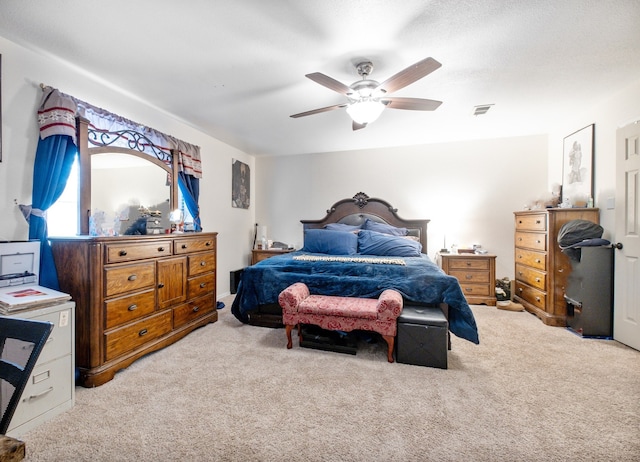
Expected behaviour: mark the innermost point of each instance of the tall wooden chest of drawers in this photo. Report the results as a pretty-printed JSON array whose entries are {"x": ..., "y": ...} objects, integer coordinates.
[
  {"x": 51, "y": 389},
  {"x": 476, "y": 274},
  {"x": 541, "y": 269},
  {"x": 135, "y": 295}
]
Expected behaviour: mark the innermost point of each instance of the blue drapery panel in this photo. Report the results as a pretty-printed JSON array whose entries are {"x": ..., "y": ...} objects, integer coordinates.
[
  {"x": 190, "y": 187},
  {"x": 54, "y": 159}
]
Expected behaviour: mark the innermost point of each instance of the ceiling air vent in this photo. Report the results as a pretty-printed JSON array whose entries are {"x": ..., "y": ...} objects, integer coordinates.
[{"x": 480, "y": 110}]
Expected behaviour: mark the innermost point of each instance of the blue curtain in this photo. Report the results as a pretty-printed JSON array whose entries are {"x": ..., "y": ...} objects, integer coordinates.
[
  {"x": 190, "y": 187},
  {"x": 54, "y": 159}
]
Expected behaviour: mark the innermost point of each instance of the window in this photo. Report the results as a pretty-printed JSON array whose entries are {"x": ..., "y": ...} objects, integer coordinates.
[{"x": 62, "y": 216}]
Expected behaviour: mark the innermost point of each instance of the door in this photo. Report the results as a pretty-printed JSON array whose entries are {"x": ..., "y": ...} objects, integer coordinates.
[
  {"x": 172, "y": 281},
  {"x": 626, "y": 322}
]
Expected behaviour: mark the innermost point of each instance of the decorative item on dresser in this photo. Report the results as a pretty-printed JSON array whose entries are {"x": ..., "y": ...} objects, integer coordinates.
[
  {"x": 476, "y": 274},
  {"x": 135, "y": 295},
  {"x": 541, "y": 269},
  {"x": 262, "y": 254}
]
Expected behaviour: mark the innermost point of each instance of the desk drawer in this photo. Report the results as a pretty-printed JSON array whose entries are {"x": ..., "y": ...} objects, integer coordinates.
[
  {"x": 127, "y": 338},
  {"x": 535, "y": 241}
]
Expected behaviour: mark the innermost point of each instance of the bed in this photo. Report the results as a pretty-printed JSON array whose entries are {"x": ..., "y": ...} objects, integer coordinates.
[{"x": 387, "y": 254}]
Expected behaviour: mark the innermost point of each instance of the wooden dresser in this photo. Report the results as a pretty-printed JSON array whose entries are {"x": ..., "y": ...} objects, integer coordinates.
[
  {"x": 135, "y": 295},
  {"x": 476, "y": 274},
  {"x": 541, "y": 269}
]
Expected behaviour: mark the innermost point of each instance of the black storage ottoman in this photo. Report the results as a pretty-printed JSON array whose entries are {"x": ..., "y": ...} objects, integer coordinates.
[{"x": 422, "y": 338}]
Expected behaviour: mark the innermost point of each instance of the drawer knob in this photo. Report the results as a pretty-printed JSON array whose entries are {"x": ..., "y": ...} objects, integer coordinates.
[
  {"x": 537, "y": 299},
  {"x": 132, "y": 307},
  {"x": 537, "y": 260},
  {"x": 469, "y": 289},
  {"x": 519, "y": 273},
  {"x": 468, "y": 263},
  {"x": 203, "y": 285},
  {"x": 122, "y": 253},
  {"x": 520, "y": 257},
  {"x": 160, "y": 249},
  {"x": 203, "y": 263},
  {"x": 133, "y": 277},
  {"x": 184, "y": 246},
  {"x": 520, "y": 239},
  {"x": 142, "y": 332},
  {"x": 196, "y": 309},
  {"x": 537, "y": 222},
  {"x": 520, "y": 289},
  {"x": 537, "y": 279},
  {"x": 208, "y": 244},
  {"x": 160, "y": 286},
  {"x": 468, "y": 276}
]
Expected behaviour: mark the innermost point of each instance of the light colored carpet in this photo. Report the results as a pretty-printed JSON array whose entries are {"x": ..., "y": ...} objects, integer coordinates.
[{"x": 233, "y": 392}]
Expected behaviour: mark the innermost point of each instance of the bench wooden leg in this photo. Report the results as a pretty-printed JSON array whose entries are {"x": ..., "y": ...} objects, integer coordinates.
[
  {"x": 289, "y": 328},
  {"x": 391, "y": 340}
]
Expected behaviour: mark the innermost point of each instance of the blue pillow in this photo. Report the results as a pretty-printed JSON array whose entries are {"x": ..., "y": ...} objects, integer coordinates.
[
  {"x": 343, "y": 227},
  {"x": 330, "y": 242},
  {"x": 384, "y": 228},
  {"x": 373, "y": 243}
]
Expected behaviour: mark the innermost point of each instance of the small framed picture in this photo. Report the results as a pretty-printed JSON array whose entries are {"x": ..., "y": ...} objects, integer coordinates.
[
  {"x": 240, "y": 184},
  {"x": 577, "y": 167}
]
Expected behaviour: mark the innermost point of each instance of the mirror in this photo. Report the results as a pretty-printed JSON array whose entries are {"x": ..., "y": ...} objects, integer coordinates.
[
  {"x": 126, "y": 188},
  {"x": 120, "y": 186}
]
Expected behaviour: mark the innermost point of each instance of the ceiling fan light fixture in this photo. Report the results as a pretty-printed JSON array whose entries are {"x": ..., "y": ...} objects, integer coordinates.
[{"x": 366, "y": 111}]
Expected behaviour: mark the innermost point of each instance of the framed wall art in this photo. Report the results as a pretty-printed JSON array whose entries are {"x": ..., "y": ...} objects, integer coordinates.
[
  {"x": 0, "y": 108},
  {"x": 240, "y": 184},
  {"x": 577, "y": 167}
]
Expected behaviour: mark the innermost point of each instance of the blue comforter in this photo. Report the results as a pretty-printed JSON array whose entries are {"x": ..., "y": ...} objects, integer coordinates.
[{"x": 419, "y": 281}]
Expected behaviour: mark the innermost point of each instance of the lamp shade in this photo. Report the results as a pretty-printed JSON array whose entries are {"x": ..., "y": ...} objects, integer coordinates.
[{"x": 365, "y": 112}]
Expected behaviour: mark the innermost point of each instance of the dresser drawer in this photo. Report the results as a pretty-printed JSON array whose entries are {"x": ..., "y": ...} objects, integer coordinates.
[
  {"x": 50, "y": 386},
  {"x": 122, "y": 310},
  {"x": 469, "y": 263},
  {"x": 470, "y": 276},
  {"x": 530, "y": 258},
  {"x": 476, "y": 289},
  {"x": 192, "y": 310},
  {"x": 119, "y": 253},
  {"x": 533, "y": 222},
  {"x": 531, "y": 276},
  {"x": 531, "y": 295},
  {"x": 535, "y": 241},
  {"x": 201, "y": 285},
  {"x": 202, "y": 263},
  {"x": 127, "y": 338},
  {"x": 123, "y": 279},
  {"x": 182, "y": 246}
]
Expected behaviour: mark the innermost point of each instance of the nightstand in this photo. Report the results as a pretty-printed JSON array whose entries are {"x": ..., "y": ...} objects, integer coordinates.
[
  {"x": 476, "y": 274},
  {"x": 262, "y": 254}
]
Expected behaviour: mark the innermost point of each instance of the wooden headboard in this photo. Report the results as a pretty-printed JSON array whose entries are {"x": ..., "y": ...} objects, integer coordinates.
[{"x": 356, "y": 210}]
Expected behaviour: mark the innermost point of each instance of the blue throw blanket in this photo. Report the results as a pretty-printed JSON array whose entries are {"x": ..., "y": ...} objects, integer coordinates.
[{"x": 419, "y": 281}]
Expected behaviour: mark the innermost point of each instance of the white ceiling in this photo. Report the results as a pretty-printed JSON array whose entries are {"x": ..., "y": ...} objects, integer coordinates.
[{"x": 236, "y": 69}]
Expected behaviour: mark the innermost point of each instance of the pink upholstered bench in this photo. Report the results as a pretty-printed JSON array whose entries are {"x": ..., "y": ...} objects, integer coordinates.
[{"x": 341, "y": 313}]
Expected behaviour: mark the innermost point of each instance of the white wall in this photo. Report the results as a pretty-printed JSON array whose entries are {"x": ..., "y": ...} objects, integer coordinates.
[
  {"x": 622, "y": 108},
  {"x": 469, "y": 190},
  {"x": 22, "y": 72}
]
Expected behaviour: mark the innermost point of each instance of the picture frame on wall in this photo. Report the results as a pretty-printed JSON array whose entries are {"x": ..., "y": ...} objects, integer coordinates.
[
  {"x": 0, "y": 108},
  {"x": 577, "y": 167},
  {"x": 240, "y": 184}
]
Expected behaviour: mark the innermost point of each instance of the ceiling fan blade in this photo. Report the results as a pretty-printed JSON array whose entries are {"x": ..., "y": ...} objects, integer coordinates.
[
  {"x": 413, "y": 104},
  {"x": 409, "y": 75},
  {"x": 318, "y": 111},
  {"x": 357, "y": 126},
  {"x": 330, "y": 83}
]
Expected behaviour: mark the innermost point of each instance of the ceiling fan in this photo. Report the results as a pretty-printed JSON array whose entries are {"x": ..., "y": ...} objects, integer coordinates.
[{"x": 366, "y": 98}]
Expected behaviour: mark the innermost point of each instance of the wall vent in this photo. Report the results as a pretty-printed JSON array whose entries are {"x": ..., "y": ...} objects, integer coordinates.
[{"x": 480, "y": 110}]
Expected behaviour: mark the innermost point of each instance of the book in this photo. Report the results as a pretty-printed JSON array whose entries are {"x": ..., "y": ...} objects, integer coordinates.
[{"x": 24, "y": 297}]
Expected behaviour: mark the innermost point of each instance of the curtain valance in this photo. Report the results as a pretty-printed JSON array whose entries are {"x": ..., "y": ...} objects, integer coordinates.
[{"x": 56, "y": 116}]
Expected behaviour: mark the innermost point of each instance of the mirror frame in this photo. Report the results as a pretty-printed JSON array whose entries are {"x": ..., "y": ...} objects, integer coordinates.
[{"x": 84, "y": 164}]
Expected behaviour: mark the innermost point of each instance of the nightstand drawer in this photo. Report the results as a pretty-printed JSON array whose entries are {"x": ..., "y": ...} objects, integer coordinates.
[
  {"x": 535, "y": 241},
  {"x": 476, "y": 289},
  {"x": 471, "y": 276},
  {"x": 470, "y": 263},
  {"x": 531, "y": 258}
]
